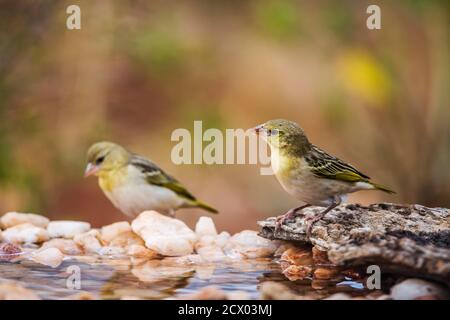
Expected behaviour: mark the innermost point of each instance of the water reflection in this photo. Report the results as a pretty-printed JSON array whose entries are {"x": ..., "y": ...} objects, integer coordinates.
[{"x": 122, "y": 277}]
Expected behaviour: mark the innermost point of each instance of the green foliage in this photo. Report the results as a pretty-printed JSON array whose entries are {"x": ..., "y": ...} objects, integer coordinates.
[
  {"x": 158, "y": 50},
  {"x": 335, "y": 111},
  {"x": 6, "y": 161},
  {"x": 338, "y": 18},
  {"x": 280, "y": 19}
]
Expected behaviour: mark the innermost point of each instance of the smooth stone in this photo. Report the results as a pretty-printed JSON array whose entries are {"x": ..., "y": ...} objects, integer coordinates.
[
  {"x": 339, "y": 296},
  {"x": 89, "y": 241},
  {"x": 111, "y": 251},
  {"x": 67, "y": 229},
  {"x": 248, "y": 245},
  {"x": 12, "y": 219},
  {"x": 411, "y": 289},
  {"x": 66, "y": 246},
  {"x": 205, "y": 227},
  {"x": 109, "y": 232},
  {"x": 126, "y": 239},
  {"x": 25, "y": 233},
  {"x": 210, "y": 246},
  {"x": 222, "y": 239},
  {"x": 213, "y": 240},
  {"x": 140, "y": 251},
  {"x": 167, "y": 236},
  {"x": 51, "y": 257}
]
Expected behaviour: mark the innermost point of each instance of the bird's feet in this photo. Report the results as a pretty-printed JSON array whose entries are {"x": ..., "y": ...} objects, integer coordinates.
[
  {"x": 291, "y": 214},
  {"x": 310, "y": 221}
]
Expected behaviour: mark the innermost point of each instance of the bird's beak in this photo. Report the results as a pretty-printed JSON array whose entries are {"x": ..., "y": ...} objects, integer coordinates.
[{"x": 90, "y": 170}]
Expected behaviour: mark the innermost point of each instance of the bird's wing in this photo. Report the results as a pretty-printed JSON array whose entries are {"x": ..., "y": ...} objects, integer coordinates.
[
  {"x": 326, "y": 166},
  {"x": 156, "y": 176}
]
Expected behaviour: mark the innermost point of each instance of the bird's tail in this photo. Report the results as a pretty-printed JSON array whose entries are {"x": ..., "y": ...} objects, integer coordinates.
[
  {"x": 382, "y": 188},
  {"x": 204, "y": 206}
]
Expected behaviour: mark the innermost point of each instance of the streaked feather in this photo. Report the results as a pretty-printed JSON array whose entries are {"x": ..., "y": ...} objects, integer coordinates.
[
  {"x": 156, "y": 176},
  {"x": 324, "y": 165}
]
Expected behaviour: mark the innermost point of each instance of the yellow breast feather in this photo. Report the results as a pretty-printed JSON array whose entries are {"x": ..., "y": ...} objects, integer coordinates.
[{"x": 112, "y": 178}]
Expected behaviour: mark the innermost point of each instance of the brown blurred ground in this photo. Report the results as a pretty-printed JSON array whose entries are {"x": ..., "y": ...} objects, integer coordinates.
[{"x": 140, "y": 69}]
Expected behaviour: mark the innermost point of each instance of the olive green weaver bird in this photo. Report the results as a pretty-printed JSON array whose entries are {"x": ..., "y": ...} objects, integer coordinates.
[
  {"x": 308, "y": 173},
  {"x": 135, "y": 184}
]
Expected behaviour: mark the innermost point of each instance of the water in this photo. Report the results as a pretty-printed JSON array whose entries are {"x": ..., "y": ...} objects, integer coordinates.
[{"x": 124, "y": 277}]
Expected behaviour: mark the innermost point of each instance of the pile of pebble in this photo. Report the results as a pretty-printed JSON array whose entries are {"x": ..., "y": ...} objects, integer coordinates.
[{"x": 150, "y": 235}]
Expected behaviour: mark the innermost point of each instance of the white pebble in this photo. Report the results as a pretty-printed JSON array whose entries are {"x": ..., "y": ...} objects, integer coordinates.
[
  {"x": 67, "y": 229},
  {"x": 205, "y": 227},
  {"x": 12, "y": 219},
  {"x": 109, "y": 232},
  {"x": 51, "y": 257},
  {"x": 66, "y": 246},
  {"x": 25, "y": 233},
  {"x": 167, "y": 236},
  {"x": 248, "y": 245},
  {"x": 411, "y": 289},
  {"x": 89, "y": 241}
]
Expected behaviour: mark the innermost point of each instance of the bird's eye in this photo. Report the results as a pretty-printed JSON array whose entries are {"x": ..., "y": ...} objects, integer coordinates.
[{"x": 99, "y": 160}]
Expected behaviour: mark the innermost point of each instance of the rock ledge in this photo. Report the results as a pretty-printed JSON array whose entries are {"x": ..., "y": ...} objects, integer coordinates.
[{"x": 406, "y": 239}]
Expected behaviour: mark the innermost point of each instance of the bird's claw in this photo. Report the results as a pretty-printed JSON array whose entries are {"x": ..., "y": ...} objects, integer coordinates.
[
  {"x": 291, "y": 214},
  {"x": 310, "y": 221},
  {"x": 280, "y": 221}
]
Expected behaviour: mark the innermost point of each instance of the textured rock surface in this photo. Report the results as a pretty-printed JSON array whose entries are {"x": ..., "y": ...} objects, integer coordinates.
[{"x": 409, "y": 239}]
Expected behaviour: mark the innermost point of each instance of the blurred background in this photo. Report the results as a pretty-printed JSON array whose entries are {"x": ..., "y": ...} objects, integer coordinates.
[{"x": 137, "y": 70}]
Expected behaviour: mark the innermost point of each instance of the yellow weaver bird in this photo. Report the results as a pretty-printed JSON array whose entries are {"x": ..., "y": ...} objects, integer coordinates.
[
  {"x": 308, "y": 173},
  {"x": 135, "y": 184}
]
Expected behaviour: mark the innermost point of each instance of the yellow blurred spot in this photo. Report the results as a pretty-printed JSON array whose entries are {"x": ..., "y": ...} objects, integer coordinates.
[{"x": 364, "y": 76}]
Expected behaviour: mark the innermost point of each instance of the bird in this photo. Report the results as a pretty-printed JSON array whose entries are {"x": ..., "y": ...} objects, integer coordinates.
[
  {"x": 135, "y": 184},
  {"x": 308, "y": 173}
]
